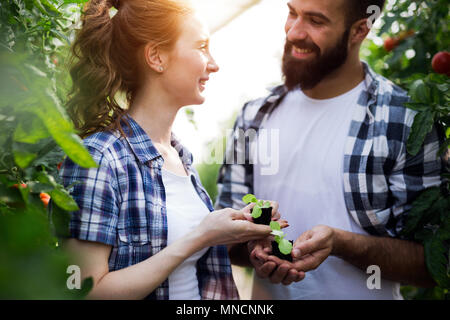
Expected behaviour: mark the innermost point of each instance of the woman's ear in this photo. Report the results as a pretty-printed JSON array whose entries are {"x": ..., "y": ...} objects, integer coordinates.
[
  {"x": 359, "y": 31},
  {"x": 155, "y": 58}
]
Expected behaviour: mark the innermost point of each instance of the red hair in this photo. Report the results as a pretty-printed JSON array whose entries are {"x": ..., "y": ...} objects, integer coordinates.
[{"x": 106, "y": 60}]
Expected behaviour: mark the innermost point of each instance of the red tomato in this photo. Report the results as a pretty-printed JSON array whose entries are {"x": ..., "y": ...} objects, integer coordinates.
[
  {"x": 390, "y": 44},
  {"x": 441, "y": 63},
  {"x": 22, "y": 185}
]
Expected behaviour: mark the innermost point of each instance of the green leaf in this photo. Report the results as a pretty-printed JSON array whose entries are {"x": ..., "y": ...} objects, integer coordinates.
[
  {"x": 63, "y": 199},
  {"x": 256, "y": 212},
  {"x": 274, "y": 225},
  {"x": 419, "y": 92},
  {"x": 60, "y": 220},
  {"x": 423, "y": 124},
  {"x": 266, "y": 204},
  {"x": 436, "y": 259},
  {"x": 420, "y": 209},
  {"x": 30, "y": 130},
  {"x": 285, "y": 246},
  {"x": 248, "y": 198},
  {"x": 23, "y": 158}
]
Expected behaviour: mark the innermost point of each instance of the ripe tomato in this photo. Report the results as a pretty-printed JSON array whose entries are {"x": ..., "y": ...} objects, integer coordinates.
[
  {"x": 22, "y": 185},
  {"x": 441, "y": 63},
  {"x": 390, "y": 44}
]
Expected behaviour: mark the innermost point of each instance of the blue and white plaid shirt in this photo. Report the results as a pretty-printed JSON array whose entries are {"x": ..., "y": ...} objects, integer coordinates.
[
  {"x": 122, "y": 204},
  {"x": 380, "y": 178}
]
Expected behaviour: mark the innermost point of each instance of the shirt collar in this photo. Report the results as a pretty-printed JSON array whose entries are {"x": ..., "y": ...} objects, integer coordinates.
[{"x": 143, "y": 147}]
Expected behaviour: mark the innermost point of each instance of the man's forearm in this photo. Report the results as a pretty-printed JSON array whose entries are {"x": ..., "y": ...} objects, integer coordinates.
[{"x": 399, "y": 260}]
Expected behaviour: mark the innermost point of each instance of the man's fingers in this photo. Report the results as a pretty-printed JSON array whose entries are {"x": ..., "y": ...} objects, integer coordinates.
[
  {"x": 265, "y": 270},
  {"x": 305, "y": 247},
  {"x": 310, "y": 261},
  {"x": 290, "y": 277},
  {"x": 280, "y": 273}
]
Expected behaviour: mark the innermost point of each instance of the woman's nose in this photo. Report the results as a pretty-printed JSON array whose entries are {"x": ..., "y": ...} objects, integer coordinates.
[{"x": 212, "y": 66}]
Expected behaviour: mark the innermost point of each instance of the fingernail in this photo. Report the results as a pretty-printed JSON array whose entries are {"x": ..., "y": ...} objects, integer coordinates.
[{"x": 296, "y": 253}]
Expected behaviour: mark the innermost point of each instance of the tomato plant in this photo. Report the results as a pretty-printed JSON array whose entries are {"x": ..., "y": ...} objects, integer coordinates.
[
  {"x": 36, "y": 134},
  {"x": 409, "y": 64}
]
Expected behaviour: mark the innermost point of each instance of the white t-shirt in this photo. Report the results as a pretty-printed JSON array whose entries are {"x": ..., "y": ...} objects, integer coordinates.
[
  {"x": 310, "y": 191},
  {"x": 185, "y": 210}
]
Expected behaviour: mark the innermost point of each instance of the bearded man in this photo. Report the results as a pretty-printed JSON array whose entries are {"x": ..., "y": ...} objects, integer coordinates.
[{"x": 345, "y": 181}]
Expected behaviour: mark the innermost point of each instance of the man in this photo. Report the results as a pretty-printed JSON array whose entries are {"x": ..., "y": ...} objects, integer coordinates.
[{"x": 345, "y": 181}]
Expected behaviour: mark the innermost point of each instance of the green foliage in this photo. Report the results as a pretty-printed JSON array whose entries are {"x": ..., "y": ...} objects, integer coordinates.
[
  {"x": 36, "y": 135},
  {"x": 284, "y": 245},
  {"x": 409, "y": 66},
  {"x": 259, "y": 204}
]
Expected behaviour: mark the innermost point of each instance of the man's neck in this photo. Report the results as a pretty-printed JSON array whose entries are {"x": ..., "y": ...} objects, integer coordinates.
[{"x": 340, "y": 81}]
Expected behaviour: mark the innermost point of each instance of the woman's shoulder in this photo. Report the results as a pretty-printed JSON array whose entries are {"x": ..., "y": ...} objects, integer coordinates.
[{"x": 106, "y": 144}]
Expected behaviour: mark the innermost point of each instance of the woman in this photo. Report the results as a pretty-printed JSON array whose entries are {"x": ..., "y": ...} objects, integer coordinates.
[{"x": 144, "y": 228}]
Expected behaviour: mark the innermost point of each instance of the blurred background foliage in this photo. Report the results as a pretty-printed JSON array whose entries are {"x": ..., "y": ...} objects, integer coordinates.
[{"x": 36, "y": 134}]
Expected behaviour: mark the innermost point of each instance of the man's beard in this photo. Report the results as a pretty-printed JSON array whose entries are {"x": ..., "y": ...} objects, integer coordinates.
[{"x": 308, "y": 73}]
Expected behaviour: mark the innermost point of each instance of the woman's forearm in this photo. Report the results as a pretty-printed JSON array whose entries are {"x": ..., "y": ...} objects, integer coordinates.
[{"x": 139, "y": 280}]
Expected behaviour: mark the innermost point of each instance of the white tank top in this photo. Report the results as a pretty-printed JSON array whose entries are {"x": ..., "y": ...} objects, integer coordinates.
[
  {"x": 309, "y": 188},
  {"x": 185, "y": 210}
]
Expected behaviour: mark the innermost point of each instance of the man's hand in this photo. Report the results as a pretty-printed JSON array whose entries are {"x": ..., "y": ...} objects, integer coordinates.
[
  {"x": 313, "y": 247},
  {"x": 276, "y": 270},
  {"x": 308, "y": 252}
]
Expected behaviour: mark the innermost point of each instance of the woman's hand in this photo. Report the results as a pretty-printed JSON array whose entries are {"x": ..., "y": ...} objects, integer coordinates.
[
  {"x": 275, "y": 213},
  {"x": 229, "y": 226}
]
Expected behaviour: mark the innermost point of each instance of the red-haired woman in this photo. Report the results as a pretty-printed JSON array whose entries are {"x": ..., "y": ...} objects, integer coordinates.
[{"x": 144, "y": 228}]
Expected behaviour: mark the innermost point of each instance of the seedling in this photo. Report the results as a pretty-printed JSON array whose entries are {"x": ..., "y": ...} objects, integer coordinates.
[
  {"x": 284, "y": 246},
  {"x": 260, "y": 204},
  {"x": 261, "y": 212}
]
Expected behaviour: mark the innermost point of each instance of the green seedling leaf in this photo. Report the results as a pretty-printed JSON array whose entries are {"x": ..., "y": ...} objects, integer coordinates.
[
  {"x": 277, "y": 233},
  {"x": 285, "y": 246},
  {"x": 248, "y": 198},
  {"x": 256, "y": 212},
  {"x": 274, "y": 225},
  {"x": 266, "y": 204}
]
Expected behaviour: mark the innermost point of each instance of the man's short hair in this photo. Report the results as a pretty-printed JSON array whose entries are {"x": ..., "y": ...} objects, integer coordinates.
[{"x": 357, "y": 9}]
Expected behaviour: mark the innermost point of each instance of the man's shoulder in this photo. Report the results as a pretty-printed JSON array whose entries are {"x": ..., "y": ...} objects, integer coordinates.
[
  {"x": 252, "y": 107},
  {"x": 390, "y": 100}
]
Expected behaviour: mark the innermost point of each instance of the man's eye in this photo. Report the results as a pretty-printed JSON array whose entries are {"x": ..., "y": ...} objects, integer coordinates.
[{"x": 316, "y": 22}]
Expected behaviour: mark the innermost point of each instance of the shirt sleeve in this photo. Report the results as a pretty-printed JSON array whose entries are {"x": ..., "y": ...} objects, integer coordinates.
[
  {"x": 95, "y": 193},
  {"x": 410, "y": 176},
  {"x": 235, "y": 177}
]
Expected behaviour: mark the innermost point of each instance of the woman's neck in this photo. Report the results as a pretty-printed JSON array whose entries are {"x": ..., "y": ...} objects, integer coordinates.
[{"x": 155, "y": 113}]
